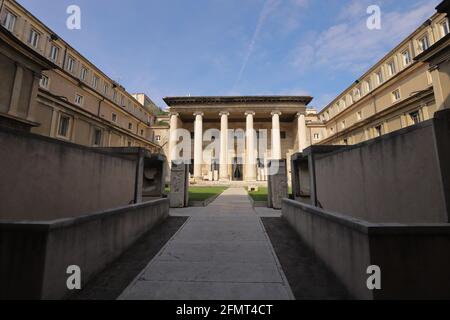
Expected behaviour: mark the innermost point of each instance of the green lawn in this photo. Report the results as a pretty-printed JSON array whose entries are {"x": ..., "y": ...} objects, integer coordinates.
[
  {"x": 261, "y": 194},
  {"x": 203, "y": 193}
]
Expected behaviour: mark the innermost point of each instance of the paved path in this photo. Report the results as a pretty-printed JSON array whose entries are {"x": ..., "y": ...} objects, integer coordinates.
[{"x": 221, "y": 253}]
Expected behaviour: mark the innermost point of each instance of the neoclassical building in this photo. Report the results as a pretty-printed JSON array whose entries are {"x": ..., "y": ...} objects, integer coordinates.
[{"x": 279, "y": 120}]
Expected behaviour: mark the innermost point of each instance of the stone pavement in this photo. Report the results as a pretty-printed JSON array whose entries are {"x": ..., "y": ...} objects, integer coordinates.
[{"x": 221, "y": 253}]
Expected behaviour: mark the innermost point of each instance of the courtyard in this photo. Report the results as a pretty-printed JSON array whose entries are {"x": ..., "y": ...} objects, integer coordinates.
[{"x": 226, "y": 251}]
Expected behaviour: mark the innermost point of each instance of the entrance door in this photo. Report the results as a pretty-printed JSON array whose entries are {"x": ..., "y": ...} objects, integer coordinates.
[{"x": 238, "y": 169}]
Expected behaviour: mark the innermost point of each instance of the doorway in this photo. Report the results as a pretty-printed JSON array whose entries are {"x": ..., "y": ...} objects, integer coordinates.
[{"x": 238, "y": 170}]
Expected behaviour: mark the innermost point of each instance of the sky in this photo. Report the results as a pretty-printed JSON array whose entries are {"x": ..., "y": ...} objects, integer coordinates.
[{"x": 234, "y": 47}]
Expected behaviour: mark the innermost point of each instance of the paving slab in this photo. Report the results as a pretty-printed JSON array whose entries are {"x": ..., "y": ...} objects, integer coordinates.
[{"x": 221, "y": 253}]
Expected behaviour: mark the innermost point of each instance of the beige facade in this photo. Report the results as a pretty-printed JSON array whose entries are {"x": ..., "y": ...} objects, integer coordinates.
[
  {"x": 395, "y": 93},
  {"x": 278, "y": 121},
  {"x": 77, "y": 102}
]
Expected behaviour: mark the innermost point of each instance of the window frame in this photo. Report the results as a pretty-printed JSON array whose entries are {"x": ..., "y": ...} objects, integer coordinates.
[
  {"x": 8, "y": 18},
  {"x": 68, "y": 127},
  {"x": 392, "y": 70},
  {"x": 380, "y": 77},
  {"x": 84, "y": 73},
  {"x": 420, "y": 40},
  {"x": 445, "y": 25},
  {"x": 96, "y": 143},
  {"x": 419, "y": 118},
  {"x": 81, "y": 100},
  {"x": 95, "y": 81},
  {"x": 408, "y": 61},
  {"x": 396, "y": 99},
  {"x": 70, "y": 64},
  {"x": 34, "y": 38},
  {"x": 41, "y": 82},
  {"x": 54, "y": 54}
]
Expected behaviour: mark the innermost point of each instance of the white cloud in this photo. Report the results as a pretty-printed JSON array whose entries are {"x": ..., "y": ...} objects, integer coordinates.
[
  {"x": 350, "y": 45},
  {"x": 268, "y": 8}
]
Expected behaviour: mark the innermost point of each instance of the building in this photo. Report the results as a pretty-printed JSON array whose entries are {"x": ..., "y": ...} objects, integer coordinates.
[
  {"x": 393, "y": 94},
  {"x": 76, "y": 101},
  {"x": 279, "y": 121}
]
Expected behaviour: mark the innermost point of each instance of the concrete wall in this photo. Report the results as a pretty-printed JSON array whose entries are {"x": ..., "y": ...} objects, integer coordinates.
[
  {"x": 395, "y": 178},
  {"x": 414, "y": 259},
  {"x": 38, "y": 269},
  {"x": 43, "y": 179}
]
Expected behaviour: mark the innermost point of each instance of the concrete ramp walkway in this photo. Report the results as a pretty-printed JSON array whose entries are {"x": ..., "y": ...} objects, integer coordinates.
[{"x": 221, "y": 253}]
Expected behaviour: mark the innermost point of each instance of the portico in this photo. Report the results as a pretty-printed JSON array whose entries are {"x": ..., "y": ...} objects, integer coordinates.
[{"x": 245, "y": 132}]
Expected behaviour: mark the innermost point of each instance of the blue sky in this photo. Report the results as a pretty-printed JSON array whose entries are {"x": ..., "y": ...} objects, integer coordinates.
[{"x": 234, "y": 47}]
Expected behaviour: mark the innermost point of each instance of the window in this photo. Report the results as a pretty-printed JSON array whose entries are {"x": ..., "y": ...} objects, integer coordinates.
[
  {"x": 378, "y": 131},
  {"x": 70, "y": 64},
  {"x": 415, "y": 117},
  {"x": 396, "y": 95},
  {"x": 316, "y": 136},
  {"x": 142, "y": 132},
  {"x": 79, "y": 100},
  {"x": 54, "y": 53},
  {"x": 122, "y": 101},
  {"x": 129, "y": 143},
  {"x": 424, "y": 43},
  {"x": 10, "y": 21},
  {"x": 343, "y": 124},
  {"x": 83, "y": 73},
  {"x": 283, "y": 134},
  {"x": 97, "y": 137},
  {"x": 95, "y": 80},
  {"x": 445, "y": 29},
  {"x": 391, "y": 68},
  {"x": 63, "y": 128},
  {"x": 406, "y": 58},
  {"x": 44, "y": 82},
  {"x": 345, "y": 141},
  {"x": 359, "y": 115},
  {"x": 34, "y": 38},
  {"x": 368, "y": 85},
  {"x": 158, "y": 138},
  {"x": 106, "y": 89},
  {"x": 114, "y": 95},
  {"x": 350, "y": 99},
  {"x": 130, "y": 126},
  {"x": 379, "y": 76},
  {"x": 114, "y": 118},
  {"x": 357, "y": 93}
]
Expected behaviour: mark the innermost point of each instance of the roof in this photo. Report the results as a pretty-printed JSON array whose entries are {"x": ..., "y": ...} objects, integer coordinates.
[{"x": 207, "y": 100}]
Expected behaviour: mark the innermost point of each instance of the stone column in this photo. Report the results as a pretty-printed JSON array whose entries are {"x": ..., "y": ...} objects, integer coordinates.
[
  {"x": 302, "y": 144},
  {"x": 223, "y": 175},
  {"x": 172, "y": 136},
  {"x": 198, "y": 145},
  {"x": 276, "y": 136},
  {"x": 250, "y": 148}
]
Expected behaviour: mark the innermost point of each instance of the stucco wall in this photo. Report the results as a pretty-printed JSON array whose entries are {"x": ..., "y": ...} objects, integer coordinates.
[
  {"x": 414, "y": 259},
  {"x": 44, "y": 179},
  {"x": 395, "y": 178},
  {"x": 38, "y": 269}
]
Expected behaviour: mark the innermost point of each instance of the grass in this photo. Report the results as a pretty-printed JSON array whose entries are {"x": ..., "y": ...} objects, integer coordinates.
[
  {"x": 262, "y": 194},
  {"x": 203, "y": 193}
]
